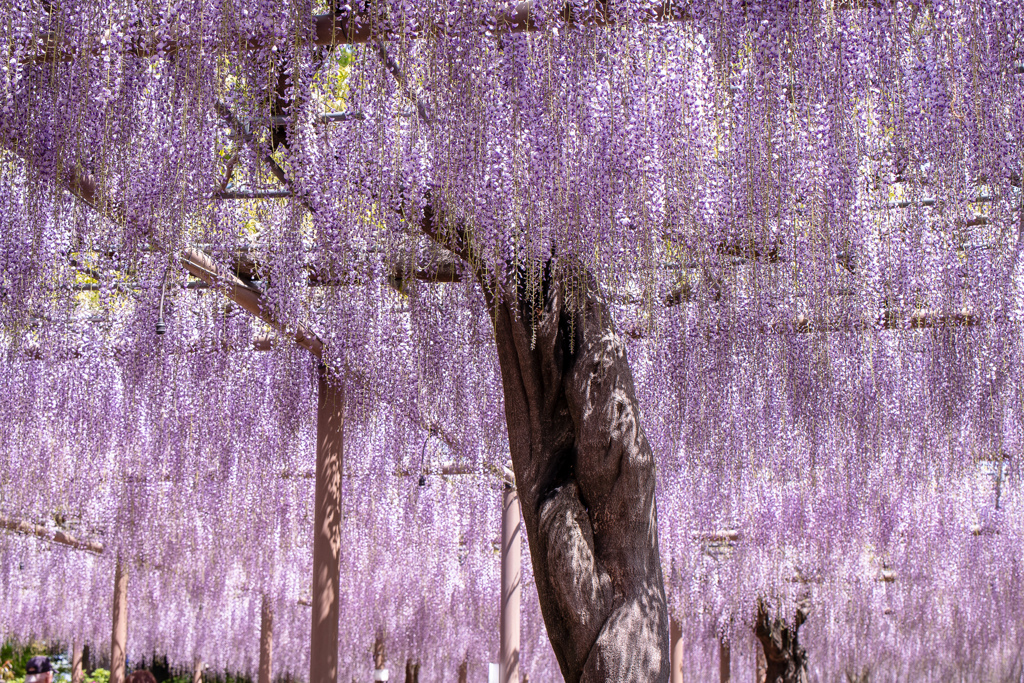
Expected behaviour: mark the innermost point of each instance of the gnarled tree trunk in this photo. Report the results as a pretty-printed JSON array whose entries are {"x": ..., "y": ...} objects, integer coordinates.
[
  {"x": 785, "y": 657},
  {"x": 585, "y": 475}
]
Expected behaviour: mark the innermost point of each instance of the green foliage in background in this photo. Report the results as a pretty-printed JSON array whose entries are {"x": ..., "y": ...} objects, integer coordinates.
[
  {"x": 99, "y": 675},
  {"x": 14, "y": 656}
]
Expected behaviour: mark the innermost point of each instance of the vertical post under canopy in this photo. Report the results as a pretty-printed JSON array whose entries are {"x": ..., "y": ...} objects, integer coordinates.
[
  {"x": 676, "y": 640},
  {"x": 266, "y": 640},
  {"x": 724, "y": 661},
  {"x": 119, "y": 617},
  {"x": 77, "y": 674},
  {"x": 380, "y": 658},
  {"x": 511, "y": 585},
  {"x": 330, "y": 423}
]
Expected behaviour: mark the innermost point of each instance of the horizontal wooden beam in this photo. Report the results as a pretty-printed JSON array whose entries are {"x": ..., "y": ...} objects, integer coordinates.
[
  {"x": 253, "y": 194},
  {"x": 522, "y": 18},
  {"x": 201, "y": 265},
  {"x": 260, "y": 342},
  {"x": 889, "y": 320},
  {"x": 57, "y": 536},
  {"x": 353, "y": 29},
  {"x": 95, "y": 286},
  {"x": 922, "y": 318},
  {"x": 716, "y": 536},
  {"x": 444, "y": 471},
  {"x": 329, "y": 117}
]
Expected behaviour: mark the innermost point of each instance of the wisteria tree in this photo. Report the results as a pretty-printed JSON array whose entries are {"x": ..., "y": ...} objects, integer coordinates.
[{"x": 713, "y": 187}]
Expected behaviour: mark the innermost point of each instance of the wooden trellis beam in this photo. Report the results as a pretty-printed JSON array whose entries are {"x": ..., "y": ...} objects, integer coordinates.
[
  {"x": 260, "y": 342},
  {"x": 354, "y": 29},
  {"x": 202, "y": 266},
  {"x": 254, "y": 194},
  {"x": 351, "y": 30},
  {"x": 57, "y": 536}
]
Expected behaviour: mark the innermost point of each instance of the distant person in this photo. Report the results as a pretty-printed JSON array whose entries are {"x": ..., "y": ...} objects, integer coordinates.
[
  {"x": 138, "y": 676},
  {"x": 38, "y": 670}
]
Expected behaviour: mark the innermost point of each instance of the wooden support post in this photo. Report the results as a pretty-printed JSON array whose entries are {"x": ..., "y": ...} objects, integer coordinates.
[
  {"x": 676, "y": 640},
  {"x": 464, "y": 672},
  {"x": 724, "y": 661},
  {"x": 77, "y": 674},
  {"x": 197, "y": 670},
  {"x": 380, "y": 658},
  {"x": 412, "y": 671},
  {"x": 266, "y": 640},
  {"x": 119, "y": 616},
  {"x": 511, "y": 584},
  {"x": 323, "y": 649}
]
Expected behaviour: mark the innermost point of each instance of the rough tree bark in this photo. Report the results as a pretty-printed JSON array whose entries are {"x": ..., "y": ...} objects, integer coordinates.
[
  {"x": 785, "y": 657},
  {"x": 585, "y": 475}
]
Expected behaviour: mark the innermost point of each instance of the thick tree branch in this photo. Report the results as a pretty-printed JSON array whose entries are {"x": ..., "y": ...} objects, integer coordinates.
[{"x": 458, "y": 241}]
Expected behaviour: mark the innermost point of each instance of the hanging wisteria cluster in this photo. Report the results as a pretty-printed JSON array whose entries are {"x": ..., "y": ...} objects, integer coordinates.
[
  {"x": 211, "y": 520},
  {"x": 806, "y": 216}
]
